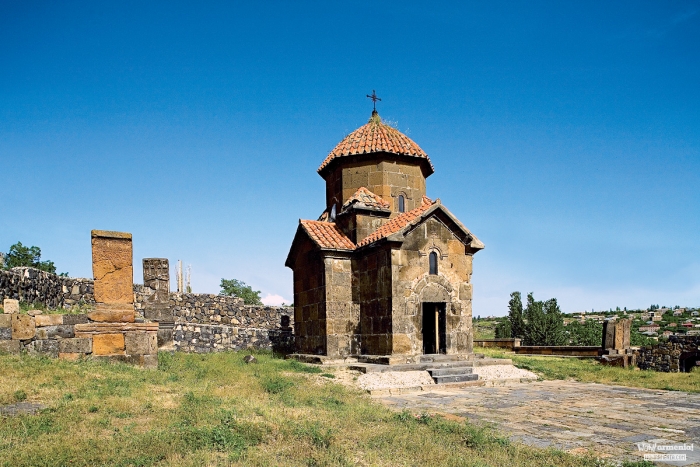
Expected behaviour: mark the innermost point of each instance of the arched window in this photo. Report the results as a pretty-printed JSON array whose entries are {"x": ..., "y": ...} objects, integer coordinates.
[
  {"x": 433, "y": 263},
  {"x": 402, "y": 204}
]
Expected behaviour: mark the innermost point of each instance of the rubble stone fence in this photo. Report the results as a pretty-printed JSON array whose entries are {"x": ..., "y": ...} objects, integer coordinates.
[
  {"x": 41, "y": 288},
  {"x": 679, "y": 354},
  {"x": 193, "y": 322}
]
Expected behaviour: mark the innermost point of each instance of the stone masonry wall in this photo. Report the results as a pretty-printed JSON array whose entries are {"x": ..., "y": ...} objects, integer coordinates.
[
  {"x": 203, "y": 322},
  {"x": 669, "y": 356},
  {"x": 75, "y": 336},
  {"x": 42, "y": 288},
  {"x": 211, "y": 323}
]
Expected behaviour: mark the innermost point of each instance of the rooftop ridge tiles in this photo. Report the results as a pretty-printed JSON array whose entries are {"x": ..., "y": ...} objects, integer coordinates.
[
  {"x": 375, "y": 136},
  {"x": 398, "y": 222}
]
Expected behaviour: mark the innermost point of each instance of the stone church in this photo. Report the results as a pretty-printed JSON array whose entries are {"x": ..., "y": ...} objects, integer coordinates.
[{"x": 385, "y": 270}]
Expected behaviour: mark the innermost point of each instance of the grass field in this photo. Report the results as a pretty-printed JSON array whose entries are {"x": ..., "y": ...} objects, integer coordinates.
[
  {"x": 216, "y": 410},
  {"x": 590, "y": 371}
]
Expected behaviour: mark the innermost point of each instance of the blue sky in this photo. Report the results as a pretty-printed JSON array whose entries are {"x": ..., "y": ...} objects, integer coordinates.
[{"x": 565, "y": 135}]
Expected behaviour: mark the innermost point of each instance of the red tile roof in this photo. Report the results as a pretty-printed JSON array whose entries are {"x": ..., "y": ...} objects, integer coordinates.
[
  {"x": 327, "y": 235},
  {"x": 397, "y": 223},
  {"x": 366, "y": 197},
  {"x": 375, "y": 136}
]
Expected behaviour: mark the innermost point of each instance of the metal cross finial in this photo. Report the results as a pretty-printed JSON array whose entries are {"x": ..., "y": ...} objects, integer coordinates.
[{"x": 374, "y": 99}]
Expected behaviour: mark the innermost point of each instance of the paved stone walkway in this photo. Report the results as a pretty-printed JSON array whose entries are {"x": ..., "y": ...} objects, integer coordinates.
[{"x": 575, "y": 417}]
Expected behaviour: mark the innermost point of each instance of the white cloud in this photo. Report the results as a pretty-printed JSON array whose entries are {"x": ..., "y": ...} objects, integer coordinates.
[{"x": 274, "y": 300}]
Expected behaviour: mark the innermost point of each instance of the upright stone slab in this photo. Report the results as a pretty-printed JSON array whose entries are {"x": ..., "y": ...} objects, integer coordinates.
[
  {"x": 608, "y": 335},
  {"x": 112, "y": 267},
  {"x": 622, "y": 334},
  {"x": 156, "y": 276}
]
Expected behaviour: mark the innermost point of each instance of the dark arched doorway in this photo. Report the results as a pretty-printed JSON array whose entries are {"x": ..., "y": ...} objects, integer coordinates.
[{"x": 687, "y": 361}]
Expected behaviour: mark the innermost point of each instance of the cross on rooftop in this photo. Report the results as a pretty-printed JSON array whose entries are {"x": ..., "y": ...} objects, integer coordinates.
[{"x": 374, "y": 99}]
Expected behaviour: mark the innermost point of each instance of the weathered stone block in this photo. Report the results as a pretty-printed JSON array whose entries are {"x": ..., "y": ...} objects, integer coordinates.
[
  {"x": 5, "y": 321},
  {"x": 159, "y": 313},
  {"x": 465, "y": 291},
  {"x": 608, "y": 335},
  {"x": 108, "y": 344},
  {"x": 49, "y": 332},
  {"x": 112, "y": 267},
  {"x": 5, "y": 333},
  {"x": 75, "y": 319},
  {"x": 48, "y": 347},
  {"x": 10, "y": 306},
  {"x": 48, "y": 320},
  {"x": 401, "y": 344},
  {"x": 141, "y": 343},
  {"x": 112, "y": 315},
  {"x": 23, "y": 327},
  {"x": 78, "y": 345},
  {"x": 9, "y": 346}
]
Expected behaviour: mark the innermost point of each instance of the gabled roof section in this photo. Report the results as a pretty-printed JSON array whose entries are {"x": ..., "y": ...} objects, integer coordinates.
[
  {"x": 365, "y": 199},
  {"x": 373, "y": 137},
  {"x": 397, "y": 228},
  {"x": 327, "y": 235},
  {"x": 397, "y": 223}
]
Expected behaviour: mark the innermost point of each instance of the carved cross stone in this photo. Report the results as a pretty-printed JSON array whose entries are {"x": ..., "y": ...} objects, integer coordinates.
[{"x": 156, "y": 276}]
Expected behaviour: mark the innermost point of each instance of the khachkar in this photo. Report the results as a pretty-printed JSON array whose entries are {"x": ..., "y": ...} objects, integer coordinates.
[
  {"x": 113, "y": 272},
  {"x": 114, "y": 333},
  {"x": 156, "y": 278}
]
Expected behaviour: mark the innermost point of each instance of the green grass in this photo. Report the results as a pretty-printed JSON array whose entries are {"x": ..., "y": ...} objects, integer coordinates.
[
  {"x": 590, "y": 371},
  {"x": 216, "y": 410}
]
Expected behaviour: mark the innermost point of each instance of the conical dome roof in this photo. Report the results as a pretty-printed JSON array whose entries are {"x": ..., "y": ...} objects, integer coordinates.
[{"x": 373, "y": 137}]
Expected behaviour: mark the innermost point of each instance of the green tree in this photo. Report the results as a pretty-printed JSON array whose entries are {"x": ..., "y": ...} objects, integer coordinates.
[
  {"x": 236, "y": 288},
  {"x": 515, "y": 315},
  {"x": 544, "y": 322},
  {"x": 588, "y": 333},
  {"x": 20, "y": 255},
  {"x": 503, "y": 329}
]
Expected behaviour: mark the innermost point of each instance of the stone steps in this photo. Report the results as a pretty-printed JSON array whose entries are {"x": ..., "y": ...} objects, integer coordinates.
[
  {"x": 449, "y": 371},
  {"x": 432, "y": 358},
  {"x": 455, "y": 378}
]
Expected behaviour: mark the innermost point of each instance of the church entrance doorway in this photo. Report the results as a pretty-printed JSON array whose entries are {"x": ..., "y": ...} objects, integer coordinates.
[{"x": 434, "y": 332}]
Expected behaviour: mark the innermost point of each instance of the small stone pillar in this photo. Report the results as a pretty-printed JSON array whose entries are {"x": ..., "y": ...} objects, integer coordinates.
[{"x": 156, "y": 276}]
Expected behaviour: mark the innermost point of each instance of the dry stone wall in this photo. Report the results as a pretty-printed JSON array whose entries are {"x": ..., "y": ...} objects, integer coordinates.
[
  {"x": 211, "y": 323},
  {"x": 193, "y": 322},
  {"x": 680, "y": 353},
  {"x": 41, "y": 288}
]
